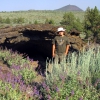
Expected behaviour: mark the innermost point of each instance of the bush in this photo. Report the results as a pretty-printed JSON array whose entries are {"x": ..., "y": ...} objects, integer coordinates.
[
  {"x": 77, "y": 79},
  {"x": 7, "y": 21},
  {"x": 92, "y": 23},
  {"x": 51, "y": 21},
  {"x": 36, "y": 22},
  {"x": 71, "y": 22}
]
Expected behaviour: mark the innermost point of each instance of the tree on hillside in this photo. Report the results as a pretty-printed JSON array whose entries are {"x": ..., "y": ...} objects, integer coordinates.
[
  {"x": 49, "y": 21},
  {"x": 71, "y": 22},
  {"x": 92, "y": 23}
]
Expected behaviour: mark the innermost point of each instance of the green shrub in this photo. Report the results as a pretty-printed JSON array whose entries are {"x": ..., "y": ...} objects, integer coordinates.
[
  {"x": 49, "y": 21},
  {"x": 76, "y": 79},
  {"x": 7, "y": 20},
  {"x": 71, "y": 22}
]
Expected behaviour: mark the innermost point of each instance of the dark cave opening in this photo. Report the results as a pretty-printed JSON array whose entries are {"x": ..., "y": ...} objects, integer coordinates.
[
  {"x": 37, "y": 48},
  {"x": 33, "y": 51}
]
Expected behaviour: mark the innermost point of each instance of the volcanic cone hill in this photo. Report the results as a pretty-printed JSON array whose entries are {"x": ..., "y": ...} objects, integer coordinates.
[{"x": 69, "y": 8}]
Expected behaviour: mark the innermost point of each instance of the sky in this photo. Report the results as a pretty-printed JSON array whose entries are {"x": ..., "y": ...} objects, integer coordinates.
[{"x": 17, "y": 5}]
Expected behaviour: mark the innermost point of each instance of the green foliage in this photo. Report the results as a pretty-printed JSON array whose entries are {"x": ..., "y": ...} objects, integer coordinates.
[
  {"x": 14, "y": 59},
  {"x": 11, "y": 59},
  {"x": 78, "y": 25},
  {"x": 20, "y": 20},
  {"x": 15, "y": 20},
  {"x": 51, "y": 21},
  {"x": 71, "y": 22},
  {"x": 91, "y": 22},
  {"x": 14, "y": 85},
  {"x": 7, "y": 20},
  {"x": 0, "y": 19},
  {"x": 47, "y": 21},
  {"x": 40, "y": 16},
  {"x": 36, "y": 22},
  {"x": 28, "y": 74},
  {"x": 10, "y": 93},
  {"x": 79, "y": 78}
]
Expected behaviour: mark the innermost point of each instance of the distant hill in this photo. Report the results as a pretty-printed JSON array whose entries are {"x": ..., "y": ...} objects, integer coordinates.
[{"x": 69, "y": 8}]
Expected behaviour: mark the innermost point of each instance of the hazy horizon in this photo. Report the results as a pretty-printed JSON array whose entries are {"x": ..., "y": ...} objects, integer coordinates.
[{"x": 18, "y": 5}]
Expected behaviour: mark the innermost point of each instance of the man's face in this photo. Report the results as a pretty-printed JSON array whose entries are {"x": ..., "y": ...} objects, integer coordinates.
[{"x": 61, "y": 33}]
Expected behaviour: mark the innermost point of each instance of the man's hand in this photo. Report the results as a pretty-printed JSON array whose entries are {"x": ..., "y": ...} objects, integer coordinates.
[
  {"x": 67, "y": 48},
  {"x": 53, "y": 50},
  {"x": 65, "y": 54},
  {"x": 53, "y": 55}
]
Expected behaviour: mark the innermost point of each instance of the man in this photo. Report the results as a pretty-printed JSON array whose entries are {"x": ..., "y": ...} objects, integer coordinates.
[{"x": 60, "y": 45}]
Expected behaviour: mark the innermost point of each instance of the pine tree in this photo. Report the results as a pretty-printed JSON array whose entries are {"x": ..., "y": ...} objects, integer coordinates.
[
  {"x": 91, "y": 23},
  {"x": 71, "y": 22}
]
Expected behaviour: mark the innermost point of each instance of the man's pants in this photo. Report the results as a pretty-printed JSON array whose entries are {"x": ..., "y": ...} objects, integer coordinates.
[{"x": 60, "y": 58}]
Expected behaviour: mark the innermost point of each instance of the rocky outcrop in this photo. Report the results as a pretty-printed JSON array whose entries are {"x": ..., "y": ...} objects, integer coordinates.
[
  {"x": 17, "y": 31},
  {"x": 35, "y": 38},
  {"x": 76, "y": 42}
]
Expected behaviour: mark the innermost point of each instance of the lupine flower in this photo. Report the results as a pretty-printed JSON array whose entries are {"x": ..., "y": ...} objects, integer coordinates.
[
  {"x": 72, "y": 92},
  {"x": 67, "y": 98},
  {"x": 78, "y": 73},
  {"x": 29, "y": 91},
  {"x": 13, "y": 86},
  {"x": 28, "y": 58},
  {"x": 57, "y": 89},
  {"x": 36, "y": 92},
  {"x": 97, "y": 81},
  {"x": 19, "y": 77},
  {"x": 40, "y": 97},
  {"x": 44, "y": 85},
  {"x": 62, "y": 77},
  {"x": 22, "y": 88},
  {"x": 48, "y": 97},
  {"x": 47, "y": 89},
  {"x": 81, "y": 98},
  {"x": 87, "y": 81},
  {"x": 7, "y": 88}
]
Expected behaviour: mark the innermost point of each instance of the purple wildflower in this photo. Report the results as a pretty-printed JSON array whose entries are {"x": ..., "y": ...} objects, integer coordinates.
[
  {"x": 62, "y": 77},
  {"x": 67, "y": 98},
  {"x": 28, "y": 58},
  {"x": 72, "y": 92},
  {"x": 48, "y": 97},
  {"x": 96, "y": 83},
  {"x": 81, "y": 98},
  {"x": 36, "y": 92},
  {"x": 57, "y": 89},
  {"x": 40, "y": 97},
  {"x": 44, "y": 85},
  {"x": 13, "y": 86},
  {"x": 47, "y": 89},
  {"x": 78, "y": 73}
]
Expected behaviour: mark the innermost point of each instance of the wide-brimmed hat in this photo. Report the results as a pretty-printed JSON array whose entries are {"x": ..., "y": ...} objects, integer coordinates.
[{"x": 61, "y": 29}]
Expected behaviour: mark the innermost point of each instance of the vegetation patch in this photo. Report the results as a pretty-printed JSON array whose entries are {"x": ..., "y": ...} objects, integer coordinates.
[{"x": 76, "y": 79}]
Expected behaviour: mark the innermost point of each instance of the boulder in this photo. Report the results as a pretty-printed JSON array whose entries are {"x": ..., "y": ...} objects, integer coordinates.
[{"x": 36, "y": 38}]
